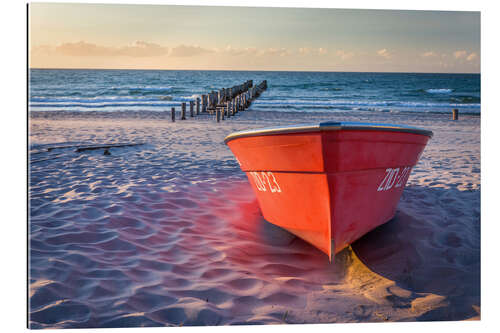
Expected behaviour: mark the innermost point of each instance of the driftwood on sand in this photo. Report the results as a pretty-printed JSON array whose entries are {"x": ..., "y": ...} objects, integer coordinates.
[{"x": 82, "y": 148}]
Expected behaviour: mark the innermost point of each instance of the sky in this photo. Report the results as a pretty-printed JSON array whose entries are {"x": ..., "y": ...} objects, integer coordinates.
[{"x": 244, "y": 38}]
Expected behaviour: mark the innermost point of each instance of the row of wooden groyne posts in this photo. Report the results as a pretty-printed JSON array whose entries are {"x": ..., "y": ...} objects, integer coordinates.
[{"x": 225, "y": 103}]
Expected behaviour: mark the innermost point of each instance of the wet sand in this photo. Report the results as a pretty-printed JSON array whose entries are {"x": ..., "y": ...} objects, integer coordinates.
[{"x": 169, "y": 232}]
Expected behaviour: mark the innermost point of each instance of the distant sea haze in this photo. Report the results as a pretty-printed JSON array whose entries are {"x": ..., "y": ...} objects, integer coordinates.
[{"x": 159, "y": 90}]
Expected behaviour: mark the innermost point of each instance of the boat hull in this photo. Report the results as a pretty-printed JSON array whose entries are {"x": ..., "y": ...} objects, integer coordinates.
[{"x": 329, "y": 186}]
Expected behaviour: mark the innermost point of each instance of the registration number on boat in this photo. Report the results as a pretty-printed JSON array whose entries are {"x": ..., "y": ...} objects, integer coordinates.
[
  {"x": 265, "y": 181},
  {"x": 394, "y": 177}
]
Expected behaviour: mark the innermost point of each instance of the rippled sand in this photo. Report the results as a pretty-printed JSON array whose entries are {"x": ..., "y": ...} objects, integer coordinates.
[{"x": 170, "y": 233}]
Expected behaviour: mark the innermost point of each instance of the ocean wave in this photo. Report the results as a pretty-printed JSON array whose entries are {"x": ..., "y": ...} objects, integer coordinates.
[
  {"x": 150, "y": 90},
  {"x": 99, "y": 91},
  {"x": 304, "y": 102},
  {"x": 103, "y": 105},
  {"x": 95, "y": 101},
  {"x": 186, "y": 98},
  {"x": 466, "y": 99},
  {"x": 320, "y": 85},
  {"x": 260, "y": 103},
  {"x": 439, "y": 91},
  {"x": 344, "y": 108},
  {"x": 107, "y": 108}
]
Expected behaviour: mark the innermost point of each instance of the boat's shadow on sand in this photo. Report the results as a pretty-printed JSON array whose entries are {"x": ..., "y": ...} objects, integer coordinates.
[
  {"x": 426, "y": 260},
  {"x": 431, "y": 254}
]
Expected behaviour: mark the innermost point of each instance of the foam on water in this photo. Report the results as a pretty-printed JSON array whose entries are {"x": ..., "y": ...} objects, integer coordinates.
[{"x": 439, "y": 91}]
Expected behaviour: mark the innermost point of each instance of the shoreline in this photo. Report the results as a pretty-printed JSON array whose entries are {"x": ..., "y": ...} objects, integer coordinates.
[{"x": 167, "y": 115}]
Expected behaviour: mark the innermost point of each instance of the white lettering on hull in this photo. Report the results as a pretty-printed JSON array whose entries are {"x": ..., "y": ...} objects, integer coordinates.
[
  {"x": 394, "y": 178},
  {"x": 265, "y": 181}
]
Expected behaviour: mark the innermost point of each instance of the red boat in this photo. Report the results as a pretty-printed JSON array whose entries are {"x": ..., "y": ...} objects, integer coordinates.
[{"x": 329, "y": 183}]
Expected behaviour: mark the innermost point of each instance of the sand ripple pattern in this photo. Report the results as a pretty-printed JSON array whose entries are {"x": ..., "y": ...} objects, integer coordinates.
[{"x": 169, "y": 233}]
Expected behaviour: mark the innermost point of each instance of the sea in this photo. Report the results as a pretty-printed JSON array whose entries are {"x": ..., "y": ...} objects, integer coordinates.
[{"x": 85, "y": 90}]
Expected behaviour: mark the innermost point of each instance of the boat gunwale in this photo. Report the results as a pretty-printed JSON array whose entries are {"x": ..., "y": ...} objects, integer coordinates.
[{"x": 327, "y": 126}]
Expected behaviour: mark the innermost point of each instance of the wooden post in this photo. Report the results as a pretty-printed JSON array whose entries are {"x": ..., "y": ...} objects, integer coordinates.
[
  {"x": 183, "y": 111},
  {"x": 209, "y": 103},
  {"x": 455, "y": 114},
  {"x": 202, "y": 103},
  {"x": 227, "y": 102}
]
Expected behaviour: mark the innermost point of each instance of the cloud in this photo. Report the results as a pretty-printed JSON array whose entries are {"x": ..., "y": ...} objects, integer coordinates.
[
  {"x": 428, "y": 54},
  {"x": 187, "y": 51},
  {"x": 85, "y": 49},
  {"x": 252, "y": 51},
  {"x": 238, "y": 52},
  {"x": 316, "y": 51},
  {"x": 144, "y": 49},
  {"x": 304, "y": 51},
  {"x": 322, "y": 51},
  {"x": 471, "y": 57},
  {"x": 384, "y": 53},
  {"x": 147, "y": 49},
  {"x": 464, "y": 55},
  {"x": 137, "y": 49},
  {"x": 273, "y": 51},
  {"x": 344, "y": 55},
  {"x": 460, "y": 54}
]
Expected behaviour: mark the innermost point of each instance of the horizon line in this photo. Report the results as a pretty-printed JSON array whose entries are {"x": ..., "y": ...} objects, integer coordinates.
[{"x": 242, "y": 70}]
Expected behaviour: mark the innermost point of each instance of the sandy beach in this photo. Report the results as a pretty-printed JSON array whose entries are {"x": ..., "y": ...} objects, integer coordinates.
[{"x": 169, "y": 232}]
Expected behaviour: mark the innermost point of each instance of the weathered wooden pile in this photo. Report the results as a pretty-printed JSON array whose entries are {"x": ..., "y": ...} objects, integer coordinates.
[{"x": 224, "y": 103}]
